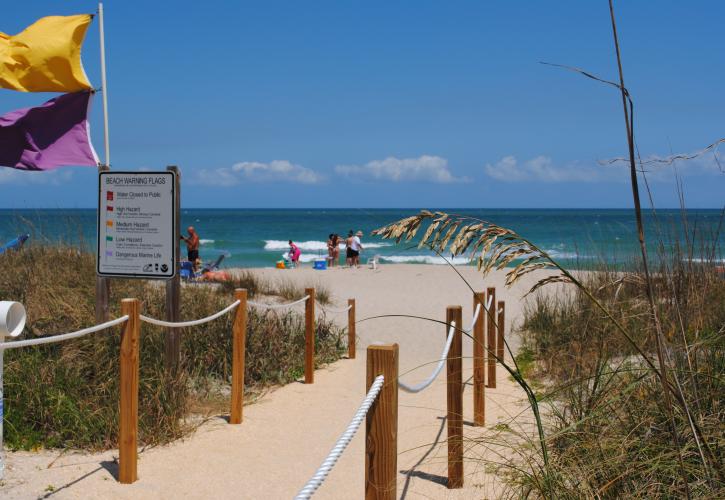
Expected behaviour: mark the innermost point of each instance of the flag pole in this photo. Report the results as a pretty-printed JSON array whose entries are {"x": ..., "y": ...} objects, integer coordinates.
[
  {"x": 104, "y": 87},
  {"x": 103, "y": 285}
]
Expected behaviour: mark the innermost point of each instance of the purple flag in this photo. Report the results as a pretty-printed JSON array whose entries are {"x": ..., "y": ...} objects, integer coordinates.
[{"x": 53, "y": 135}]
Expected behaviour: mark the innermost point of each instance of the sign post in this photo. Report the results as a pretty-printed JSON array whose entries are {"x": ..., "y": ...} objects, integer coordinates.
[
  {"x": 172, "y": 342},
  {"x": 136, "y": 225}
]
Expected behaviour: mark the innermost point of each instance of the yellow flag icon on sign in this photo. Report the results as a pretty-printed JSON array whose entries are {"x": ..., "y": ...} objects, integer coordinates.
[{"x": 45, "y": 56}]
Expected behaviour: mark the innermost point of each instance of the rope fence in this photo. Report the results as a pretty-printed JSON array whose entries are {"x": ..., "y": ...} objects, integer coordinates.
[
  {"x": 322, "y": 472},
  {"x": 65, "y": 336},
  {"x": 196, "y": 322},
  {"x": 130, "y": 355},
  {"x": 441, "y": 362},
  {"x": 262, "y": 305},
  {"x": 379, "y": 407}
]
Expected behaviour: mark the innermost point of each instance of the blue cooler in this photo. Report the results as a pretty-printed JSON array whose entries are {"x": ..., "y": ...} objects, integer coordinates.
[{"x": 320, "y": 264}]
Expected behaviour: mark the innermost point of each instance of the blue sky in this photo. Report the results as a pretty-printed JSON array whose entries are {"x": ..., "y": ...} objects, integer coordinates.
[{"x": 393, "y": 104}]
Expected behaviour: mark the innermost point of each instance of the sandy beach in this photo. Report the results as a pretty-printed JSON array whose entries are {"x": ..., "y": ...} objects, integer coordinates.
[{"x": 287, "y": 433}]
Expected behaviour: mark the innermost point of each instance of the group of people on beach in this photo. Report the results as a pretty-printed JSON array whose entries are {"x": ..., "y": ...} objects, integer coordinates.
[{"x": 353, "y": 248}]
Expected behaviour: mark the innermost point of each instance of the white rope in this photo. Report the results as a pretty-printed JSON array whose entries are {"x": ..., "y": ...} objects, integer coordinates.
[
  {"x": 488, "y": 303},
  {"x": 195, "y": 322},
  {"x": 335, "y": 311},
  {"x": 444, "y": 355},
  {"x": 309, "y": 489},
  {"x": 64, "y": 336},
  {"x": 277, "y": 306},
  {"x": 475, "y": 317}
]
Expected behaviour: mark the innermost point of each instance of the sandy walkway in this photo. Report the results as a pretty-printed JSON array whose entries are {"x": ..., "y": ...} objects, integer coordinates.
[{"x": 286, "y": 435}]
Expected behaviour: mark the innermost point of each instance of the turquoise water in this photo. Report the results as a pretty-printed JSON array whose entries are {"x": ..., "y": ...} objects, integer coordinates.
[{"x": 258, "y": 238}]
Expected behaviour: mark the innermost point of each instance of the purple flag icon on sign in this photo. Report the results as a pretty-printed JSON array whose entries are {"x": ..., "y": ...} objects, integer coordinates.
[
  {"x": 109, "y": 253},
  {"x": 52, "y": 135}
]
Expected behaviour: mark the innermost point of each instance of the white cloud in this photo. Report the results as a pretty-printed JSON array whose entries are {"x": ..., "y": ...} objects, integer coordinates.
[
  {"x": 14, "y": 176},
  {"x": 274, "y": 171},
  {"x": 425, "y": 168},
  {"x": 542, "y": 169}
]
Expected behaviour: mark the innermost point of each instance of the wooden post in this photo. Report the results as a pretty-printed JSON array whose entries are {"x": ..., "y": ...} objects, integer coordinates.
[
  {"x": 501, "y": 313},
  {"x": 310, "y": 336},
  {"x": 479, "y": 361},
  {"x": 172, "y": 344},
  {"x": 103, "y": 290},
  {"x": 491, "y": 338},
  {"x": 351, "y": 334},
  {"x": 381, "y": 430},
  {"x": 239, "y": 345},
  {"x": 454, "y": 376},
  {"x": 128, "y": 415}
]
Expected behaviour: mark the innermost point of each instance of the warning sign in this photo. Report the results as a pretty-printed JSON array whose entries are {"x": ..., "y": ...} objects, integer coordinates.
[{"x": 136, "y": 222}]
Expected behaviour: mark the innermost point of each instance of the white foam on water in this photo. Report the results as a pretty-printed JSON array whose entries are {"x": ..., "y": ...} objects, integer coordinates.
[
  {"x": 206, "y": 242},
  {"x": 313, "y": 245},
  {"x": 424, "y": 259}
]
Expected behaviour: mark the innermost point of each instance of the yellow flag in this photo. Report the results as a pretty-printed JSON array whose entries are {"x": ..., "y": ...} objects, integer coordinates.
[{"x": 46, "y": 56}]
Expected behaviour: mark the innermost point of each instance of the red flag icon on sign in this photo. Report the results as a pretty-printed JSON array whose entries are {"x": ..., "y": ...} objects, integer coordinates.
[
  {"x": 109, "y": 208},
  {"x": 109, "y": 196}
]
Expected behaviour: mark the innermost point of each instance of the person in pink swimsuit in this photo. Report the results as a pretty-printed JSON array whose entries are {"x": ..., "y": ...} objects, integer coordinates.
[{"x": 294, "y": 254}]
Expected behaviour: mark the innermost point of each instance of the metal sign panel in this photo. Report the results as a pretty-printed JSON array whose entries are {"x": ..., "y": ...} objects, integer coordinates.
[{"x": 136, "y": 225}]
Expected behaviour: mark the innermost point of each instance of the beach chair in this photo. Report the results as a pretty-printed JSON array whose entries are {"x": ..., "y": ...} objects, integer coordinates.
[
  {"x": 186, "y": 272},
  {"x": 15, "y": 244},
  {"x": 214, "y": 266},
  {"x": 373, "y": 262}
]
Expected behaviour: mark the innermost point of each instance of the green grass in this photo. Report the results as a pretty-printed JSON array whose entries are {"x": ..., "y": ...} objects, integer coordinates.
[{"x": 65, "y": 395}]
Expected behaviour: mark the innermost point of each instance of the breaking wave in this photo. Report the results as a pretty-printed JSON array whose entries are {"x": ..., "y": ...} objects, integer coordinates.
[{"x": 314, "y": 245}]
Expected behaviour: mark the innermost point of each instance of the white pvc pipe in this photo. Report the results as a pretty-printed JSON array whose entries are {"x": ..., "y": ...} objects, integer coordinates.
[
  {"x": 182, "y": 324},
  {"x": 322, "y": 472}
]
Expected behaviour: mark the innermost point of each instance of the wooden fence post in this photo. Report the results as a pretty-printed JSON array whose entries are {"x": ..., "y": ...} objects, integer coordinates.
[
  {"x": 479, "y": 361},
  {"x": 381, "y": 430},
  {"x": 491, "y": 338},
  {"x": 310, "y": 336},
  {"x": 239, "y": 345},
  {"x": 128, "y": 414},
  {"x": 501, "y": 312},
  {"x": 351, "y": 334},
  {"x": 454, "y": 379}
]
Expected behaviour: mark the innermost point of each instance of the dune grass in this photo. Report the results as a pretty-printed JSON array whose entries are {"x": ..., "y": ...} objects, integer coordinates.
[
  {"x": 66, "y": 394},
  {"x": 608, "y": 426}
]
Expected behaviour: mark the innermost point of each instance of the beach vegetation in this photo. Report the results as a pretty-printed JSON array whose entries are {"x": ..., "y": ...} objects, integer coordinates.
[{"x": 65, "y": 395}]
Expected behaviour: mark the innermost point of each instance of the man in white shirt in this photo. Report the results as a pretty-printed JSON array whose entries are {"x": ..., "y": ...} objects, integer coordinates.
[{"x": 356, "y": 247}]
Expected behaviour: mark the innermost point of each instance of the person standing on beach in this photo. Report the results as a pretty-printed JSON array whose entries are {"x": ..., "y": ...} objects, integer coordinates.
[
  {"x": 335, "y": 249},
  {"x": 330, "y": 253},
  {"x": 294, "y": 254},
  {"x": 192, "y": 245},
  {"x": 356, "y": 247},
  {"x": 348, "y": 249}
]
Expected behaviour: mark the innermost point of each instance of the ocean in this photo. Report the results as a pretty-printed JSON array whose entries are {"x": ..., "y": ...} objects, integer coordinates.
[{"x": 258, "y": 238}]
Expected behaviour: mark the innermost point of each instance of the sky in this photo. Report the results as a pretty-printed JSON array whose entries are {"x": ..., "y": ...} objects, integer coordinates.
[{"x": 394, "y": 104}]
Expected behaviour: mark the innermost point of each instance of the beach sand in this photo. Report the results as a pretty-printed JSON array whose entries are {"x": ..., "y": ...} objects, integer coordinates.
[{"x": 288, "y": 432}]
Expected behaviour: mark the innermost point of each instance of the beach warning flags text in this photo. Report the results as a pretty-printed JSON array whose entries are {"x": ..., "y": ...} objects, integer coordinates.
[
  {"x": 48, "y": 136},
  {"x": 46, "y": 56}
]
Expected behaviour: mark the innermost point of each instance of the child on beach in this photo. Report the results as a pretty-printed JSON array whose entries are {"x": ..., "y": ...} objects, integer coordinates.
[{"x": 294, "y": 254}]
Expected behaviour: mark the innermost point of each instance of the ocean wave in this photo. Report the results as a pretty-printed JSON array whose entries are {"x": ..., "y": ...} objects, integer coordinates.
[
  {"x": 424, "y": 259},
  {"x": 205, "y": 242},
  {"x": 313, "y": 245}
]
